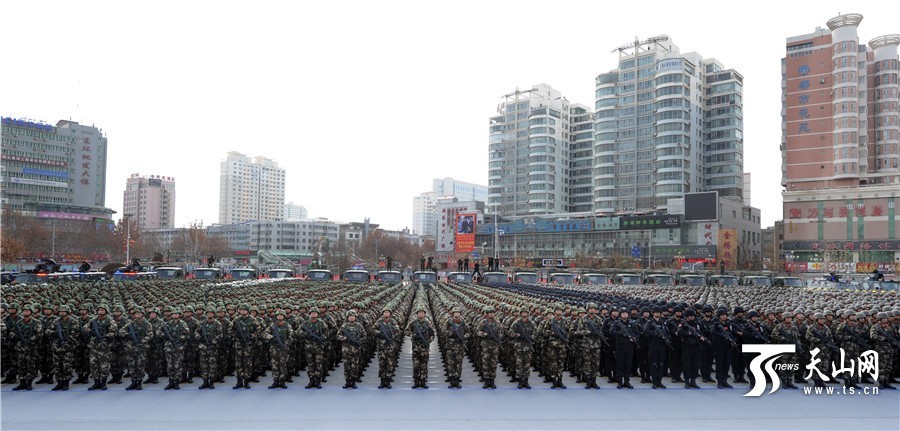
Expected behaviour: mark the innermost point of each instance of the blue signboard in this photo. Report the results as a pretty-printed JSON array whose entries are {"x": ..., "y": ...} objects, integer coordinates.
[
  {"x": 635, "y": 251},
  {"x": 538, "y": 225},
  {"x": 476, "y": 255},
  {"x": 55, "y": 174}
]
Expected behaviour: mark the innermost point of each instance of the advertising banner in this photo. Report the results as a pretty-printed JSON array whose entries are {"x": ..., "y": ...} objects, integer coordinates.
[{"x": 465, "y": 232}]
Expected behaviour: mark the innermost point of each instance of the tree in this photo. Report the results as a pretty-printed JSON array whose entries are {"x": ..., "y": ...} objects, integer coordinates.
[{"x": 194, "y": 244}]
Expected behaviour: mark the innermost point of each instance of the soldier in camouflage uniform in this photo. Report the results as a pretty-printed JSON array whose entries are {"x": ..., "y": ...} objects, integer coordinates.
[
  {"x": 556, "y": 342},
  {"x": 387, "y": 331},
  {"x": 422, "y": 333},
  {"x": 136, "y": 336},
  {"x": 208, "y": 338},
  {"x": 851, "y": 341},
  {"x": 590, "y": 329},
  {"x": 279, "y": 335},
  {"x": 117, "y": 347},
  {"x": 155, "y": 352},
  {"x": 490, "y": 334},
  {"x": 102, "y": 331},
  {"x": 819, "y": 337},
  {"x": 82, "y": 350},
  {"x": 244, "y": 330},
  {"x": 313, "y": 333},
  {"x": 522, "y": 333},
  {"x": 45, "y": 352},
  {"x": 191, "y": 361},
  {"x": 27, "y": 334},
  {"x": 351, "y": 335},
  {"x": 9, "y": 359},
  {"x": 174, "y": 334},
  {"x": 786, "y": 333},
  {"x": 63, "y": 334},
  {"x": 225, "y": 346},
  {"x": 457, "y": 335},
  {"x": 883, "y": 335}
]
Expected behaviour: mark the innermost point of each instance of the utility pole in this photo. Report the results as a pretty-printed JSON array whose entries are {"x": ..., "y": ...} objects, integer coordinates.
[{"x": 128, "y": 239}]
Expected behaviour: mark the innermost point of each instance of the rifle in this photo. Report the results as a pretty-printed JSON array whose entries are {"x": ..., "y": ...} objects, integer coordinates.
[
  {"x": 889, "y": 337},
  {"x": 241, "y": 331},
  {"x": 558, "y": 332},
  {"x": 788, "y": 336},
  {"x": 20, "y": 333},
  {"x": 134, "y": 337},
  {"x": 758, "y": 334},
  {"x": 627, "y": 331},
  {"x": 828, "y": 343},
  {"x": 205, "y": 335},
  {"x": 277, "y": 335},
  {"x": 353, "y": 339},
  {"x": 857, "y": 337},
  {"x": 318, "y": 338},
  {"x": 386, "y": 332},
  {"x": 595, "y": 331},
  {"x": 455, "y": 329},
  {"x": 172, "y": 339},
  {"x": 700, "y": 336},
  {"x": 418, "y": 333},
  {"x": 492, "y": 334},
  {"x": 59, "y": 333},
  {"x": 96, "y": 328}
]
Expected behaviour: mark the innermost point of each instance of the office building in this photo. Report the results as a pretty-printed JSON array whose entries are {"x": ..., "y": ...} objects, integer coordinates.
[
  {"x": 250, "y": 189},
  {"x": 295, "y": 212},
  {"x": 150, "y": 201}
]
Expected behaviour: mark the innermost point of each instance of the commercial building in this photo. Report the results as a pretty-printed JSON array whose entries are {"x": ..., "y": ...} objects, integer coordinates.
[
  {"x": 150, "y": 201},
  {"x": 772, "y": 239},
  {"x": 250, "y": 189},
  {"x": 460, "y": 189},
  {"x": 425, "y": 214},
  {"x": 840, "y": 149},
  {"x": 278, "y": 241},
  {"x": 295, "y": 212},
  {"x": 531, "y": 142},
  {"x": 666, "y": 124}
]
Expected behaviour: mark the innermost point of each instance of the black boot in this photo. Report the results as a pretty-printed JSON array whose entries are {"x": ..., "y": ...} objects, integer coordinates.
[
  {"x": 116, "y": 378},
  {"x": 527, "y": 386},
  {"x": 275, "y": 384},
  {"x": 382, "y": 385},
  {"x": 318, "y": 383},
  {"x": 694, "y": 383},
  {"x": 171, "y": 385},
  {"x": 95, "y": 386},
  {"x": 205, "y": 384},
  {"x": 246, "y": 384},
  {"x": 559, "y": 383},
  {"x": 10, "y": 378},
  {"x": 186, "y": 378},
  {"x": 65, "y": 385},
  {"x": 151, "y": 379},
  {"x": 219, "y": 379},
  {"x": 621, "y": 383},
  {"x": 885, "y": 384},
  {"x": 133, "y": 385},
  {"x": 22, "y": 385},
  {"x": 311, "y": 384},
  {"x": 59, "y": 385},
  {"x": 45, "y": 378},
  {"x": 239, "y": 384},
  {"x": 103, "y": 384},
  {"x": 789, "y": 384},
  {"x": 628, "y": 383}
]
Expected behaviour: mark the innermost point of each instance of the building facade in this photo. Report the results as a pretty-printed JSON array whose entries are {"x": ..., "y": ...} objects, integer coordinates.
[
  {"x": 425, "y": 214},
  {"x": 666, "y": 124},
  {"x": 460, "y": 189},
  {"x": 278, "y": 236},
  {"x": 530, "y": 157},
  {"x": 840, "y": 147},
  {"x": 150, "y": 201},
  {"x": 55, "y": 173},
  {"x": 295, "y": 212},
  {"x": 250, "y": 189}
]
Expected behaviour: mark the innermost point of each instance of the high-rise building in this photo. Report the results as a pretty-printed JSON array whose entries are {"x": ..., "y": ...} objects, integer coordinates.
[
  {"x": 295, "y": 212},
  {"x": 530, "y": 152},
  {"x": 666, "y": 124},
  {"x": 460, "y": 189},
  {"x": 840, "y": 148},
  {"x": 150, "y": 201},
  {"x": 250, "y": 189},
  {"x": 54, "y": 173},
  {"x": 425, "y": 214}
]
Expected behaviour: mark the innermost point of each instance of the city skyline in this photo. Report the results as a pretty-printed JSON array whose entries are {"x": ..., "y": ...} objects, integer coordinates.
[{"x": 220, "y": 100}]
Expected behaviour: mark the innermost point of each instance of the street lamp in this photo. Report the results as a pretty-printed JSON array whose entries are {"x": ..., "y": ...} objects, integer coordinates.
[{"x": 127, "y": 239}]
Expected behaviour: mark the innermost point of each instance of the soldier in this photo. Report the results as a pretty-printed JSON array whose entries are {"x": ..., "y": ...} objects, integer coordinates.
[
  {"x": 351, "y": 336},
  {"x": 27, "y": 334},
  {"x": 191, "y": 361},
  {"x": 557, "y": 340},
  {"x": 155, "y": 352},
  {"x": 45, "y": 352},
  {"x": 786, "y": 333},
  {"x": 102, "y": 330},
  {"x": 82, "y": 351},
  {"x": 675, "y": 356},
  {"x": 658, "y": 339},
  {"x": 244, "y": 330},
  {"x": 63, "y": 334},
  {"x": 491, "y": 338},
  {"x": 522, "y": 332},
  {"x": 852, "y": 342},
  {"x": 819, "y": 337},
  {"x": 691, "y": 339},
  {"x": 886, "y": 344},
  {"x": 754, "y": 333},
  {"x": 136, "y": 336},
  {"x": 590, "y": 329},
  {"x": 279, "y": 334},
  {"x": 387, "y": 330},
  {"x": 208, "y": 337},
  {"x": 224, "y": 350},
  {"x": 457, "y": 335},
  {"x": 422, "y": 333},
  {"x": 174, "y": 334},
  {"x": 706, "y": 351},
  {"x": 117, "y": 347},
  {"x": 313, "y": 332},
  {"x": 9, "y": 360},
  {"x": 723, "y": 344},
  {"x": 626, "y": 341},
  {"x": 738, "y": 365}
]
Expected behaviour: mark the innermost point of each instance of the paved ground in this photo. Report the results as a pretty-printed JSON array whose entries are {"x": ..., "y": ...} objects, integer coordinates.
[{"x": 470, "y": 408}]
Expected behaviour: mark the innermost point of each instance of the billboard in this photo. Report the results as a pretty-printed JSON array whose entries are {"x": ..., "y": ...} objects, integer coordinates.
[
  {"x": 670, "y": 221},
  {"x": 701, "y": 206},
  {"x": 684, "y": 251},
  {"x": 728, "y": 247},
  {"x": 465, "y": 232}
]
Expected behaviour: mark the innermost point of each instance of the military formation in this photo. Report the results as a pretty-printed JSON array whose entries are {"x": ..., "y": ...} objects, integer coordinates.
[{"x": 98, "y": 334}]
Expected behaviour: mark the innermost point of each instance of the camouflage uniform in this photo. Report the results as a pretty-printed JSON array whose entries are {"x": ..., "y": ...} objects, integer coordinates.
[
  {"x": 590, "y": 329},
  {"x": 174, "y": 334},
  {"x": 819, "y": 337},
  {"x": 136, "y": 336},
  {"x": 352, "y": 336},
  {"x": 422, "y": 333},
  {"x": 455, "y": 349},
  {"x": 208, "y": 338},
  {"x": 556, "y": 338},
  {"x": 117, "y": 356},
  {"x": 102, "y": 331},
  {"x": 83, "y": 351},
  {"x": 787, "y": 333},
  {"x": 244, "y": 330},
  {"x": 882, "y": 335},
  {"x": 155, "y": 353},
  {"x": 522, "y": 334},
  {"x": 490, "y": 334},
  {"x": 387, "y": 332},
  {"x": 8, "y": 362},
  {"x": 45, "y": 351},
  {"x": 27, "y": 334},
  {"x": 63, "y": 335},
  {"x": 847, "y": 335},
  {"x": 313, "y": 334},
  {"x": 279, "y": 337},
  {"x": 225, "y": 350}
]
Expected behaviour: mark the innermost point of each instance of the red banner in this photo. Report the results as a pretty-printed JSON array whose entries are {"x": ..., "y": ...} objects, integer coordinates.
[{"x": 465, "y": 232}]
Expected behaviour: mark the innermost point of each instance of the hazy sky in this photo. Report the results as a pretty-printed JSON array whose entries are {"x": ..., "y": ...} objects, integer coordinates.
[{"x": 363, "y": 102}]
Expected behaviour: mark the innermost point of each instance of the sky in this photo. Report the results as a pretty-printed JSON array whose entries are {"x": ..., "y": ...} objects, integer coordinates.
[{"x": 363, "y": 103}]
